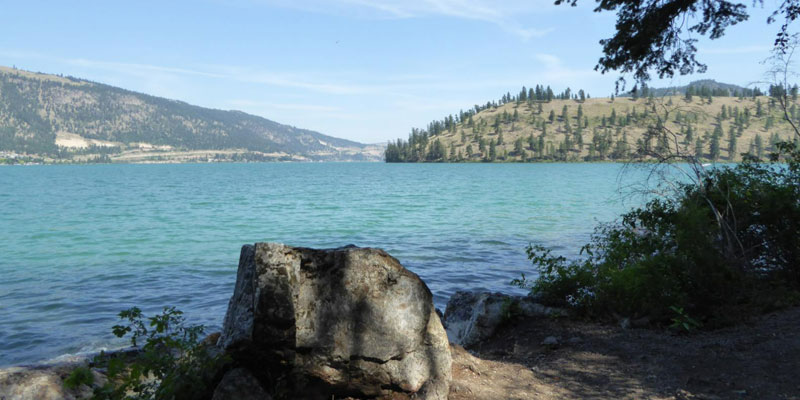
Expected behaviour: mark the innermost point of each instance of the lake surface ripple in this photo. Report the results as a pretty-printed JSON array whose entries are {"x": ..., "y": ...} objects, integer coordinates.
[{"x": 78, "y": 244}]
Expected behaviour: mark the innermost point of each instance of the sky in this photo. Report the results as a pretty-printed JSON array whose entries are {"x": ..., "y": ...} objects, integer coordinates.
[{"x": 365, "y": 70}]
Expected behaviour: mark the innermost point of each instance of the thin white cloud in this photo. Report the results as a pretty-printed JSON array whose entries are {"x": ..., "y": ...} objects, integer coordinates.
[
  {"x": 283, "y": 106},
  {"x": 503, "y": 14},
  {"x": 246, "y": 75},
  {"x": 550, "y": 61},
  {"x": 135, "y": 68},
  {"x": 554, "y": 69},
  {"x": 736, "y": 50}
]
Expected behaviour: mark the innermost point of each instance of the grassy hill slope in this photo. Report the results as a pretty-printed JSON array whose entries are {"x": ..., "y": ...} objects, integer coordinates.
[
  {"x": 601, "y": 129},
  {"x": 63, "y": 118}
]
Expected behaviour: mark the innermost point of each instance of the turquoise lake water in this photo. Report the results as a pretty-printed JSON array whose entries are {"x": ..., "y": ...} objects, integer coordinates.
[{"x": 78, "y": 244}]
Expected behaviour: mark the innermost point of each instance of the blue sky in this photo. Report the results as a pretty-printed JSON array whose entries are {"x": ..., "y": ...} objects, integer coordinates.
[{"x": 366, "y": 70}]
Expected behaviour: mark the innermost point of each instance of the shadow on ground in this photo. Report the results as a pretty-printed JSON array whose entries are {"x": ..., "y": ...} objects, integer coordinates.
[{"x": 760, "y": 360}]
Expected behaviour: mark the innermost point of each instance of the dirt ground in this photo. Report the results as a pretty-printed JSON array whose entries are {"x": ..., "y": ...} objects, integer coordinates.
[{"x": 757, "y": 360}]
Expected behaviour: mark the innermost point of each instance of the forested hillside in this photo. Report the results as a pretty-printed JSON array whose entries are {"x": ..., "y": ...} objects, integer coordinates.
[
  {"x": 64, "y": 118},
  {"x": 715, "y": 123}
]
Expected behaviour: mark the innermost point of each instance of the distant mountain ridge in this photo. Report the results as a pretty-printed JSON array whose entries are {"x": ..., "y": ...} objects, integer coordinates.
[
  {"x": 697, "y": 85},
  {"x": 68, "y": 118}
]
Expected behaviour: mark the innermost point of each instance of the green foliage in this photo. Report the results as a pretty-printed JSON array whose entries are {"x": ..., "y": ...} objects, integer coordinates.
[
  {"x": 509, "y": 310},
  {"x": 171, "y": 362},
  {"x": 718, "y": 251},
  {"x": 79, "y": 376},
  {"x": 682, "y": 321}
]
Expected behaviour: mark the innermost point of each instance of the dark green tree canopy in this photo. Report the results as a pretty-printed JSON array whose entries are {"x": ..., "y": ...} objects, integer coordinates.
[{"x": 651, "y": 35}]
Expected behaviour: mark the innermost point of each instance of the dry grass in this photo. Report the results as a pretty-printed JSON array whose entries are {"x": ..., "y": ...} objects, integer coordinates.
[
  {"x": 40, "y": 76},
  {"x": 666, "y": 108}
]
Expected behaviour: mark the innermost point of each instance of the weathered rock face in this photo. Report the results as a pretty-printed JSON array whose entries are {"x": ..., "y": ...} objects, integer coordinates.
[
  {"x": 240, "y": 384},
  {"x": 340, "y": 322},
  {"x": 471, "y": 317},
  {"x": 42, "y": 382}
]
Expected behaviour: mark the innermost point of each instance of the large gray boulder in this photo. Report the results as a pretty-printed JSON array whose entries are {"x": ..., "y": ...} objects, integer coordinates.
[
  {"x": 337, "y": 322},
  {"x": 472, "y": 317}
]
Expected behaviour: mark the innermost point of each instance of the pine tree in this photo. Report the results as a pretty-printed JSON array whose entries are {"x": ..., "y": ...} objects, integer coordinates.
[
  {"x": 731, "y": 144},
  {"x": 492, "y": 151},
  {"x": 689, "y": 134},
  {"x": 518, "y": 147},
  {"x": 759, "y": 147},
  {"x": 499, "y": 135},
  {"x": 714, "y": 147},
  {"x": 698, "y": 149},
  {"x": 541, "y": 145}
]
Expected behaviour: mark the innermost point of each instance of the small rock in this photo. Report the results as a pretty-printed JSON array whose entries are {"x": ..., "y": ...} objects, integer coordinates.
[
  {"x": 43, "y": 382},
  {"x": 625, "y": 323},
  {"x": 574, "y": 340},
  {"x": 550, "y": 341},
  {"x": 472, "y": 317},
  {"x": 211, "y": 340}
]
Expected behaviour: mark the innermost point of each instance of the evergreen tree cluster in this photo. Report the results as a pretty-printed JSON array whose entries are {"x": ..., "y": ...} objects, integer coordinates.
[
  {"x": 420, "y": 148},
  {"x": 522, "y": 128}
]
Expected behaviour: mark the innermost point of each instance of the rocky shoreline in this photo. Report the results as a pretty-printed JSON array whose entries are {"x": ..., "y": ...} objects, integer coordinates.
[{"x": 353, "y": 323}]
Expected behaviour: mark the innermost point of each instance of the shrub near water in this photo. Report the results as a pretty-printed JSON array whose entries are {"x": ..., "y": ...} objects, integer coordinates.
[
  {"x": 171, "y": 362},
  {"x": 718, "y": 251}
]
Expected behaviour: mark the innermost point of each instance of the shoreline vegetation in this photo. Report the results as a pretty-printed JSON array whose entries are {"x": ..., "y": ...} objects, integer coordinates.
[{"x": 543, "y": 355}]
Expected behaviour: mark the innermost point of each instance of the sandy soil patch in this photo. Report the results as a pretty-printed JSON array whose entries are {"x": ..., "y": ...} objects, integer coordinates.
[
  {"x": 74, "y": 141},
  {"x": 759, "y": 360}
]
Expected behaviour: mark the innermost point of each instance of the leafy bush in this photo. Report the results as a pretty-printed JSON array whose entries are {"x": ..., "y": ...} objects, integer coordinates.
[
  {"x": 79, "y": 376},
  {"x": 716, "y": 251},
  {"x": 171, "y": 362}
]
